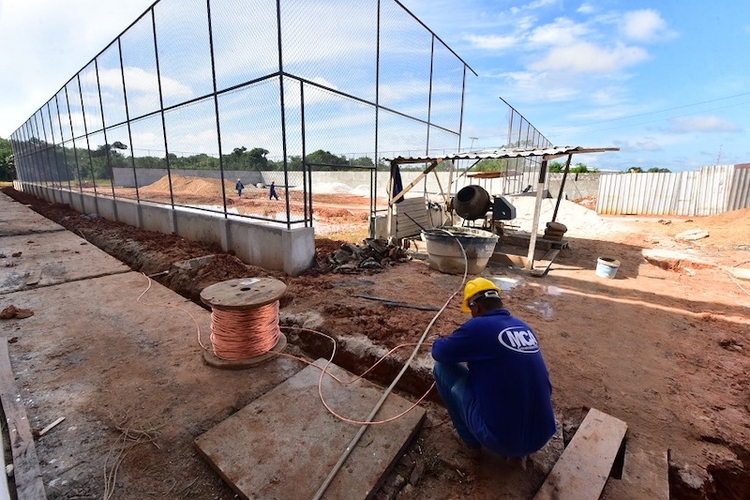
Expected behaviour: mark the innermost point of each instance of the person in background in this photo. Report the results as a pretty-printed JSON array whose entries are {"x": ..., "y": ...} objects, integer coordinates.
[
  {"x": 492, "y": 378},
  {"x": 239, "y": 187},
  {"x": 272, "y": 191}
]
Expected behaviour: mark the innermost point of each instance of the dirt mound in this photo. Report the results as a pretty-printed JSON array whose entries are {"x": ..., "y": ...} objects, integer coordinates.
[
  {"x": 182, "y": 184},
  {"x": 728, "y": 228}
]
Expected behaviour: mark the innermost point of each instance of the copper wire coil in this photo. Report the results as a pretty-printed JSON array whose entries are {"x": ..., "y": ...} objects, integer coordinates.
[{"x": 246, "y": 333}]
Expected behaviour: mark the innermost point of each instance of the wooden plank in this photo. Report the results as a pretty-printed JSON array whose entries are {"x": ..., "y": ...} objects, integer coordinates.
[
  {"x": 541, "y": 267},
  {"x": 584, "y": 466},
  {"x": 4, "y": 491},
  {"x": 28, "y": 477}
]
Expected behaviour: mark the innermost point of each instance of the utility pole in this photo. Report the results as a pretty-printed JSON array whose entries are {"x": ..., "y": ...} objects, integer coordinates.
[{"x": 471, "y": 146}]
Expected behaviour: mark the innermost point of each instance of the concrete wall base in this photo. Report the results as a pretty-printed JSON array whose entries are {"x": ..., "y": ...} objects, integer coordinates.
[{"x": 269, "y": 246}]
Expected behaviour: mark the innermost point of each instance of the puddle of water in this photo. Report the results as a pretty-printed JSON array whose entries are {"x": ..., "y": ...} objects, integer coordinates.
[
  {"x": 505, "y": 283},
  {"x": 552, "y": 290},
  {"x": 543, "y": 308}
]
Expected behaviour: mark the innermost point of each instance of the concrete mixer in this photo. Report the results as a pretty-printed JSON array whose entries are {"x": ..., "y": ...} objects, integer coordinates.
[{"x": 474, "y": 202}]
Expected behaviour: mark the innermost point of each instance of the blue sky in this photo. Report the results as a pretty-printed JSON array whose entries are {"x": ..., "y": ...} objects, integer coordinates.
[{"x": 666, "y": 82}]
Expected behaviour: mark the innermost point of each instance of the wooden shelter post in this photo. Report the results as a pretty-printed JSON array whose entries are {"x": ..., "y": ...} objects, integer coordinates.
[{"x": 537, "y": 211}]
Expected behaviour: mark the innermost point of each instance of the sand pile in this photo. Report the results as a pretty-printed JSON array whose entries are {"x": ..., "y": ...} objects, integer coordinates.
[
  {"x": 580, "y": 221},
  {"x": 182, "y": 184}
]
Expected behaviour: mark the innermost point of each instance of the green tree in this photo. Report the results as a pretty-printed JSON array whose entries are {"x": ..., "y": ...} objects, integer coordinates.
[
  {"x": 325, "y": 158},
  {"x": 363, "y": 161},
  {"x": 256, "y": 159},
  {"x": 555, "y": 167},
  {"x": 635, "y": 170},
  {"x": 580, "y": 168},
  {"x": 492, "y": 165},
  {"x": 658, "y": 170},
  {"x": 7, "y": 168}
]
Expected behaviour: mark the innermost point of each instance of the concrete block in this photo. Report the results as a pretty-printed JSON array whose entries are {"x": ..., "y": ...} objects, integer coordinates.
[
  {"x": 128, "y": 212},
  {"x": 200, "y": 226},
  {"x": 156, "y": 218},
  {"x": 299, "y": 249},
  {"x": 107, "y": 208}
]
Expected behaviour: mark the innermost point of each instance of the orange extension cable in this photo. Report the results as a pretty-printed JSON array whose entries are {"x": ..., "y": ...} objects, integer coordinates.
[{"x": 246, "y": 333}]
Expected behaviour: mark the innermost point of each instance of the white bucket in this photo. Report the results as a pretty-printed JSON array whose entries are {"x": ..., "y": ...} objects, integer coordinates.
[{"x": 606, "y": 267}]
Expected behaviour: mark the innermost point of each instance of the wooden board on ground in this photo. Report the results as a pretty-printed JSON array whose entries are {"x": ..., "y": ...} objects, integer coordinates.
[
  {"x": 267, "y": 451},
  {"x": 541, "y": 267},
  {"x": 583, "y": 469},
  {"x": 26, "y": 472}
]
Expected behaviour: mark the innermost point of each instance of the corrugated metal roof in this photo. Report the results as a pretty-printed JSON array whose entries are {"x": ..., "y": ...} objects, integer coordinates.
[{"x": 495, "y": 154}]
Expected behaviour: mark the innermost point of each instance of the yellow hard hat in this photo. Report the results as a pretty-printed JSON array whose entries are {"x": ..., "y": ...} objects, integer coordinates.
[{"x": 474, "y": 287}]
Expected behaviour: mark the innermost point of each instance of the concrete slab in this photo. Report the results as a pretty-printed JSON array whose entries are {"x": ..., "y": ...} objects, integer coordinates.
[
  {"x": 43, "y": 259},
  {"x": 267, "y": 451},
  {"x": 17, "y": 218},
  {"x": 96, "y": 353},
  {"x": 741, "y": 273},
  {"x": 668, "y": 258}
]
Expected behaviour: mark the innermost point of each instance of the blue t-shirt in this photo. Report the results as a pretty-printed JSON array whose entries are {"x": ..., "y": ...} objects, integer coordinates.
[{"x": 508, "y": 392}]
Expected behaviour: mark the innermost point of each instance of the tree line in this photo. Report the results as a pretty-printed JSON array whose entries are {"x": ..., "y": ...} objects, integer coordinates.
[{"x": 66, "y": 163}]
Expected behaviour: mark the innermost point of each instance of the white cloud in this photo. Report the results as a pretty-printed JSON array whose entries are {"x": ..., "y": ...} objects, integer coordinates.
[
  {"x": 525, "y": 86},
  {"x": 140, "y": 80},
  {"x": 586, "y": 8},
  {"x": 585, "y": 57},
  {"x": 562, "y": 31},
  {"x": 648, "y": 146},
  {"x": 688, "y": 124},
  {"x": 492, "y": 42},
  {"x": 537, "y": 4},
  {"x": 644, "y": 25}
]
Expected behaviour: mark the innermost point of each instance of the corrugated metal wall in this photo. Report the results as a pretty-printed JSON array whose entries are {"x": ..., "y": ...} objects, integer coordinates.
[
  {"x": 710, "y": 191},
  {"x": 739, "y": 192}
]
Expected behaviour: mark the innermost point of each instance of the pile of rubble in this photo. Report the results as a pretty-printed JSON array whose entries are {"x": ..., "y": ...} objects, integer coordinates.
[{"x": 373, "y": 255}]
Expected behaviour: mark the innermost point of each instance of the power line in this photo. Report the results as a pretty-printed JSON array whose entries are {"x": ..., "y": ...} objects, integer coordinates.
[
  {"x": 668, "y": 109},
  {"x": 652, "y": 121}
]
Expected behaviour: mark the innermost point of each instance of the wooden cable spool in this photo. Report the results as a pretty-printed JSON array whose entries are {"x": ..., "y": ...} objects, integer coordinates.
[{"x": 244, "y": 322}]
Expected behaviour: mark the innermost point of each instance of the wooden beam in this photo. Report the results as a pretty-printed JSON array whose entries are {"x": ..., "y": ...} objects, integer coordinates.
[
  {"x": 446, "y": 197},
  {"x": 585, "y": 465},
  {"x": 537, "y": 211},
  {"x": 27, "y": 476},
  {"x": 413, "y": 183}
]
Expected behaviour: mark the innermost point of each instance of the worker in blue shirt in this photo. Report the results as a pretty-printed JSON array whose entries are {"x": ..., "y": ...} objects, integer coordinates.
[
  {"x": 492, "y": 377},
  {"x": 239, "y": 187}
]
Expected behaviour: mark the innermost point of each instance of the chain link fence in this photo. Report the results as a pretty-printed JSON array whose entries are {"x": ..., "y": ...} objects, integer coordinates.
[{"x": 198, "y": 95}]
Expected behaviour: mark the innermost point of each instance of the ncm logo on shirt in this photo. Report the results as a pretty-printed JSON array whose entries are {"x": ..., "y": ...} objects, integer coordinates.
[{"x": 518, "y": 340}]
